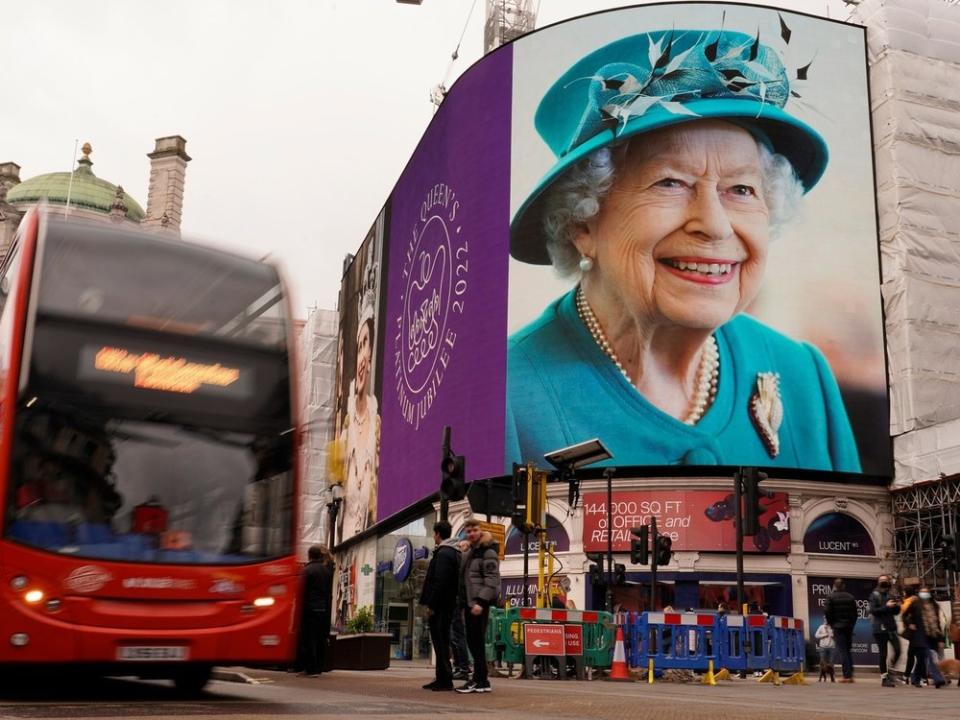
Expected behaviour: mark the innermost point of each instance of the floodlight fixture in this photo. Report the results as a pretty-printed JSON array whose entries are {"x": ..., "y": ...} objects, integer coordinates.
[{"x": 579, "y": 455}]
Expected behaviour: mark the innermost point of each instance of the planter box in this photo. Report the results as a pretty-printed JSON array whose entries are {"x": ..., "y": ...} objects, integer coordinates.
[{"x": 363, "y": 651}]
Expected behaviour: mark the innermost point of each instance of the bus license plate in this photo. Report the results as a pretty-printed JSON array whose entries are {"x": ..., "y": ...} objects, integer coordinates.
[{"x": 149, "y": 653}]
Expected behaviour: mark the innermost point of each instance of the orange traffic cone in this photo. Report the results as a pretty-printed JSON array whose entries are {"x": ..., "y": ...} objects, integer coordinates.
[{"x": 619, "y": 671}]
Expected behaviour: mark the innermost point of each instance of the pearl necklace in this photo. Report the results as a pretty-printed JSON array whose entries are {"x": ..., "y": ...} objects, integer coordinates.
[{"x": 708, "y": 374}]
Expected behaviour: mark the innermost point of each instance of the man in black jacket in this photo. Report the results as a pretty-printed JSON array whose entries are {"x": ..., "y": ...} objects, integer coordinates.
[
  {"x": 884, "y": 609},
  {"x": 317, "y": 602},
  {"x": 440, "y": 597},
  {"x": 841, "y": 615}
]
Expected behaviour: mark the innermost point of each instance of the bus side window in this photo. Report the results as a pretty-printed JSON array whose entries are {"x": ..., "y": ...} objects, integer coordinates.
[{"x": 8, "y": 286}]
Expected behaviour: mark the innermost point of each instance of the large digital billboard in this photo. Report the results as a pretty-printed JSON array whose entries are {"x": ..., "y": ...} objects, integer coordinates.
[{"x": 654, "y": 225}]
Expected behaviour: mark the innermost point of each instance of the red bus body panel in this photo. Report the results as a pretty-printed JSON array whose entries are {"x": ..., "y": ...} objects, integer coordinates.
[{"x": 106, "y": 605}]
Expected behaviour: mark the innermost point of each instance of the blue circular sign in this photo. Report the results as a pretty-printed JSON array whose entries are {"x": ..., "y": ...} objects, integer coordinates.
[{"x": 402, "y": 559}]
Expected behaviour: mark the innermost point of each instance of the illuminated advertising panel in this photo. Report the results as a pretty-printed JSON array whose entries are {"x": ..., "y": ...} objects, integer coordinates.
[
  {"x": 653, "y": 225},
  {"x": 357, "y": 429}
]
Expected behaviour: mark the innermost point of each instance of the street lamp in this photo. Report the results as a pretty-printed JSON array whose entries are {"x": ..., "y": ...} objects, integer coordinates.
[{"x": 334, "y": 496}]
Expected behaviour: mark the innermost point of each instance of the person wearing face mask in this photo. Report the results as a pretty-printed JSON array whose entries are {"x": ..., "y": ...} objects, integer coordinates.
[
  {"x": 884, "y": 608},
  {"x": 926, "y": 634}
]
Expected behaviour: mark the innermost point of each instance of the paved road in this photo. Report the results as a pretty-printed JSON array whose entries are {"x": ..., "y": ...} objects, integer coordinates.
[{"x": 397, "y": 694}]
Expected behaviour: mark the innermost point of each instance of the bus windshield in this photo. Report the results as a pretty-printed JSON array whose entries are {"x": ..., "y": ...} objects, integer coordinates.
[{"x": 156, "y": 421}]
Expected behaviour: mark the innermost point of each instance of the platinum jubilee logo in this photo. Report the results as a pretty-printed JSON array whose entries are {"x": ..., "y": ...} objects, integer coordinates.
[{"x": 434, "y": 290}]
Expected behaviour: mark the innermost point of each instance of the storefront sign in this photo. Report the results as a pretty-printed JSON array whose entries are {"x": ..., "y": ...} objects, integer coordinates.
[
  {"x": 511, "y": 590},
  {"x": 557, "y": 539},
  {"x": 543, "y": 639},
  {"x": 838, "y": 534},
  {"x": 694, "y": 520},
  {"x": 402, "y": 559},
  {"x": 864, "y": 650}
]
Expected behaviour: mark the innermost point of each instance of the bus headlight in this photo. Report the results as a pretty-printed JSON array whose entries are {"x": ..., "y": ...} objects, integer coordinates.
[
  {"x": 19, "y": 582},
  {"x": 19, "y": 639},
  {"x": 263, "y": 602},
  {"x": 53, "y": 604},
  {"x": 33, "y": 596}
]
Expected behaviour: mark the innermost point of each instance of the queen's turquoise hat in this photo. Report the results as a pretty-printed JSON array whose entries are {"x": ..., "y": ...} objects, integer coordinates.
[{"x": 651, "y": 80}]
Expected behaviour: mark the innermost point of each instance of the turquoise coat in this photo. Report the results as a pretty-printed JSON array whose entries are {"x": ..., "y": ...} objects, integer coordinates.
[{"x": 562, "y": 389}]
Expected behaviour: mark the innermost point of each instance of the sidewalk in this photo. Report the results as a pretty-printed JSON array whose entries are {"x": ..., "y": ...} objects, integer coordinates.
[{"x": 734, "y": 700}]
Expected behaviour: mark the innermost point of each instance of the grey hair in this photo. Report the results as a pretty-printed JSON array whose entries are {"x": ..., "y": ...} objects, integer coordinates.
[{"x": 575, "y": 198}]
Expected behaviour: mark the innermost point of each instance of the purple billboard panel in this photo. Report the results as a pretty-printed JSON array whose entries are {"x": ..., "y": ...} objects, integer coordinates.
[{"x": 446, "y": 297}]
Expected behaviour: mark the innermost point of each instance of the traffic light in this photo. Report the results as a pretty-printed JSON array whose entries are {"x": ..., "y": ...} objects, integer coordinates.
[
  {"x": 640, "y": 545},
  {"x": 752, "y": 492},
  {"x": 619, "y": 574},
  {"x": 596, "y": 568},
  {"x": 664, "y": 550},
  {"x": 453, "y": 484},
  {"x": 519, "y": 516}
]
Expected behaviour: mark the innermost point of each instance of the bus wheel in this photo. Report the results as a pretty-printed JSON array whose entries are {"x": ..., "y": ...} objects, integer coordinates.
[{"x": 192, "y": 680}]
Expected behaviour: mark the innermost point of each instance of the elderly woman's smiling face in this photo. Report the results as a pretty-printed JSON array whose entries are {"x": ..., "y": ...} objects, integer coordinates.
[{"x": 682, "y": 235}]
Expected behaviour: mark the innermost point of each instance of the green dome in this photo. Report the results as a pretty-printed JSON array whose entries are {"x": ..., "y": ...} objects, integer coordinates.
[{"x": 88, "y": 191}]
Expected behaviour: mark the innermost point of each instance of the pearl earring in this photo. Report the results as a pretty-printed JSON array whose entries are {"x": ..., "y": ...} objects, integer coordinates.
[{"x": 586, "y": 264}]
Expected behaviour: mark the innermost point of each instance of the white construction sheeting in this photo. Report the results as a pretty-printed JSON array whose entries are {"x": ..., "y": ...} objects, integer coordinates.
[
  {"x": 316, "y": 379},
  {"x": 914, "y": 53}
]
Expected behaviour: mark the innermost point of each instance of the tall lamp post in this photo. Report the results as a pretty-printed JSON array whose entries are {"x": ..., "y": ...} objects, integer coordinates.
[{"x": 334, "y": 496}]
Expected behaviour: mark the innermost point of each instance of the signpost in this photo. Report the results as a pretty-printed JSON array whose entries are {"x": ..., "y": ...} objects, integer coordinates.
[
  {"x": 573, "y": 639},
  {"x": 544, "y": 640}
]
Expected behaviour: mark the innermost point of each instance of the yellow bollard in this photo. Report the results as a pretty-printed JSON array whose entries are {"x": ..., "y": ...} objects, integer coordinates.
[
  {"x": 724, "y": 674},
  {"x": 709, "y": 678},
  {"x": 770, "y": 676},
  {"x": 650, "y": 671},
  {"x": 796, "y": 679}
]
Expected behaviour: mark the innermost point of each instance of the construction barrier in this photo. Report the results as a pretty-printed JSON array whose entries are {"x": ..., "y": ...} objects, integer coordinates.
[
  {"x": 744, "y": 642},
  {"x": 588, "y": 638},
  {"x": 704, "y": 642}
]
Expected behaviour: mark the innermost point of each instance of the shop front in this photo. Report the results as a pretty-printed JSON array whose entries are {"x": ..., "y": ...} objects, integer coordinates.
[{"x": 402, "y": 559}]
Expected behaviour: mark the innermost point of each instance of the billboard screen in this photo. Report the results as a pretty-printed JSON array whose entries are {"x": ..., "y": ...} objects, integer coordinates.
[
  {"x": 692, "y": 519},
  {"x": 653, "y": 225}
]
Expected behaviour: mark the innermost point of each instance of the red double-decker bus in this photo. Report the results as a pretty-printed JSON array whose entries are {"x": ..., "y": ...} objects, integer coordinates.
[{"x": 147, "y": 455}]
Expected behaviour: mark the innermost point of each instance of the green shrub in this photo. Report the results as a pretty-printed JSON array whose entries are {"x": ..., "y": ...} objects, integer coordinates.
[{"x": 362, "y": 620}]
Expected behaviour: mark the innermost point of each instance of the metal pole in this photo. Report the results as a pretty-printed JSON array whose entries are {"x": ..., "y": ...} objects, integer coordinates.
[
  {"x": 489, "y": 484},
  {"x": 609, "y": 575},
  {"x": 526, "y": 568},
  {"x": 653, "y": 563},
  {"x": 738, "y": 521}
]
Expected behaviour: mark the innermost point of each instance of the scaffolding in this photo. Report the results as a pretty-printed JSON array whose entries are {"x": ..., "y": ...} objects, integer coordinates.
[
  {"x": 506, "y": 21},
  {"x": 923, "y": 514}
]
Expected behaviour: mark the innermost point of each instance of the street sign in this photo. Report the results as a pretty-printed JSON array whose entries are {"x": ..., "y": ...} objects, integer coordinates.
[
  {"x": 573, "y": 639},
  {"x": 543, "y": 639},
  {"x": 499, "y": 533}
]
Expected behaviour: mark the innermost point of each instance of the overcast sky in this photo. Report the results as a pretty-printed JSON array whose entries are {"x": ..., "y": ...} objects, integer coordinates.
[{"x": 299, "y": 114}]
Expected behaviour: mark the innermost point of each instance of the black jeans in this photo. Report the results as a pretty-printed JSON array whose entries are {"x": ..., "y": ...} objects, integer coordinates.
[
  {"x": 844, "y": 639},
  {"x": 439, "y": 623},
  {"x": 883, "y": 639},
  {"x": 476, "y": 626},
  {"x": 458, "y": 642},
  {"x": 314, "y": 634}
]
